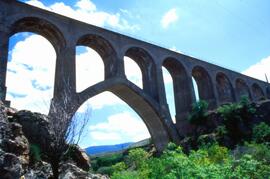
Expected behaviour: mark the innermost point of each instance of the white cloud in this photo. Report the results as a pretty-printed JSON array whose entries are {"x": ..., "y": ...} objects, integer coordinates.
[
  {"x": 259, "y": 69},
  {"x": 169, "y": 18},
  {"x": 86, "y": 11},
  {"x": 166, "y": 76},
  {"x": 97, "y": 135},
  {"x": 30, "y": 74},
  {"x": 133, "y": 71},
  {"x": 86, "y": 5},
  {"x": 121, "y": 124}
]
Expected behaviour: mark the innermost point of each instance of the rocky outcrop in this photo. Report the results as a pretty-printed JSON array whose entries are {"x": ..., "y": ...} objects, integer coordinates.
[
  {"x": 19, "y": 129},
  {"x": 14, "y": 147},
  {"x": 71, "y": 171}
]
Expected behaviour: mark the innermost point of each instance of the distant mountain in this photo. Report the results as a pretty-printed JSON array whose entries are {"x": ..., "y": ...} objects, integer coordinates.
[{"x": 93, "y": 150}]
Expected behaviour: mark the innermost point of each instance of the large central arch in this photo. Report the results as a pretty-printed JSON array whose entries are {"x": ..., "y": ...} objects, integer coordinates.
[{"x": 146, "y": 108}]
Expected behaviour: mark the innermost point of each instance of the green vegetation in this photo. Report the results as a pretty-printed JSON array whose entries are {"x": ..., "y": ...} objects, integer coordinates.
[
  {"x": 237, "y": 111},
  {"x": 199, "y": 112},
  {"x": 35, "y": 153},
  {"x": 261, "y": 133},
  {"x": 104, "y": 164},
  {"x": 208, "y": 162},
  {"x": 233, "y": 143}
]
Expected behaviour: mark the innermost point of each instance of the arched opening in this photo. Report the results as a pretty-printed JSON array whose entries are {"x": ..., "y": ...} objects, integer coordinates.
[
  {"x": 182, "y": 88},
  {"x": 268, "y": 92},
  {"x": 168, "y": 82},
  {"x": 89, "y": 68},
  {"x": 133, "y": 71},
  {"x": 242, "y": 89},
  {"x": 105, "y": 51},
  {"x": 50, "y": 50},
  {"x": 224, "y": 89},
  {"x": 257, "y": 92},
  {"x": 204, "y": 86},
  {"x": 148, "y": 69},
  {"x": 30, "y": 72},
  {"x": 112, "y": 122},
  {"x": 41, "y": 27}
]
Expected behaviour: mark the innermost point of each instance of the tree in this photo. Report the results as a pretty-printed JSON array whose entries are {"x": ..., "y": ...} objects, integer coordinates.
[{"x": 66, "y": 127}]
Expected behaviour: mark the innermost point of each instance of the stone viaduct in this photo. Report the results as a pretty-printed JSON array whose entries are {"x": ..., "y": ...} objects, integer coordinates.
[{"x": 216, "y": 85}]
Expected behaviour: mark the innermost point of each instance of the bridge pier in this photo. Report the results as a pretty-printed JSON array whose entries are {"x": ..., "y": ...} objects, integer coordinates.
[{"x": 4, "y": 41}]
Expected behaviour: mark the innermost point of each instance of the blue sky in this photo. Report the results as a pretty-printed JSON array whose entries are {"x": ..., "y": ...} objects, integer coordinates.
[{"x": 232, "y": 33}]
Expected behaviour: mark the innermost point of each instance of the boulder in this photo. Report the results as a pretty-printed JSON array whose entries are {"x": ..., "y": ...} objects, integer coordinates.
[
  {"x": 79, "y": 157},
  {"x": 71, "y": 171},
  {"x": 10, "y": 166},
  {"x": 35, "y": 127},
  {"x": 40, "y": 170}
]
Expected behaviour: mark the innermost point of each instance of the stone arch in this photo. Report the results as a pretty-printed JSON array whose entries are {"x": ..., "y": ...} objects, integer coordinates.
[
  {"x": 41, "y": 27},
  {"x": 257, "y": 92},
  {"x": 182, "y": 86},
  {"x": 148, "y": 69},
  {"x": 104, "y": 48},
  {"x": 242, "y": 89},
  {"x": 224, "y": 89},
  {"x": 268, "y": 92},
  {"x": 205, "y": 86},
  {"x": 140, "y": 102}
]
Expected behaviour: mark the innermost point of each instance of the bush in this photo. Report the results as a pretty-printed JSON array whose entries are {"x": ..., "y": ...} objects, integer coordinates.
[
  {"x": 108, "y": 170},
  {"x": 199, "y": 113},
  {"x": 236, "y": 119},
  {"x": 108, "y": 160},
  {"x": 208, "y": 162},
  {"x": 35, "y": 153},
  {"x": 261, "y": 133}
]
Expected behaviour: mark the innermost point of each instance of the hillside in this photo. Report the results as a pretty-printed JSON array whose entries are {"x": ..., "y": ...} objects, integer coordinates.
[
  {"x": 230, "y": 142},
  {"x": 94, "y": 150}
]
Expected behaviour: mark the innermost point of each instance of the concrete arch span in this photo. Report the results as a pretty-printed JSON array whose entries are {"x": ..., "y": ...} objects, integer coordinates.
[
  {"x": 205, "y": 86},
  {"x": 42, "y": 27},
  {"x": 183, "y": 93},
  {"x": 104, "y": 48},
  {"x": 257, "y": 92},
  {"x": 148, "y": 69},
  {"x": 242, "y": 89},
  {"x": 140, "y": 102},
  {"x": 268, "y": 92},
  {"x": 224, "y": 89}
]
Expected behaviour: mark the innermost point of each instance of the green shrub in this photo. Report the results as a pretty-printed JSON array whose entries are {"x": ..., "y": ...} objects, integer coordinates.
[
  {"x": 221, "y": 131},
  {"x": 108, "y": 170},
  {"x": 208, "y": 162},
  {"x": 237, "y": 111},
  {"x": 199, "y": 112},
  {"x": 108, "y": 160},
  {"x": 126, "y": 175},
  {"x": 261, "y": 133},
  {"x": 121, "y": 166},
  {"x": 35, "y": 153},
  {"x": 137, "y": 157}
]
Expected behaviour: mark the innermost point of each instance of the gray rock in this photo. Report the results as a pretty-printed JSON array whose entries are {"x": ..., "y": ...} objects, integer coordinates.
[
  {"x": 40, "y": 170},
  {"x": 10, "y": 166},
  {"x": 71, "y": 171}
]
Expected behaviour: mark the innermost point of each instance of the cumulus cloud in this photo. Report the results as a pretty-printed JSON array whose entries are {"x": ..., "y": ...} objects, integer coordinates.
[
  {"x": 259, "y": 69},
  {"x": 86, "y": 11},
  {"x": 168, "y": 18},
  {"x": 120, "y": 125},
  {"x": 30, "y": 74},
  {"x": 133, "y": 72}
]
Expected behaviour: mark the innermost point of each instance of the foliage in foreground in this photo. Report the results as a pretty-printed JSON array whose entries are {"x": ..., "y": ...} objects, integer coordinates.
[{"x": 208, "y": 162}]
